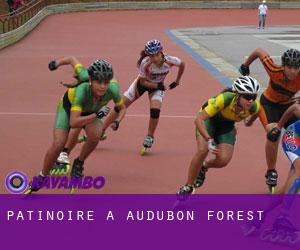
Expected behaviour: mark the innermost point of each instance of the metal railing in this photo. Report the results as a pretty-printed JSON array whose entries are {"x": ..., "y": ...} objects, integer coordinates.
[
  {"x": 16, "y": 19},
  {"x": 22, "y": 15}
]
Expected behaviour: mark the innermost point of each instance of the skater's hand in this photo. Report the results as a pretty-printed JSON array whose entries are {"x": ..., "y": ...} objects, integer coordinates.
[
  {"x": 212, "y": 147},
  {"x": 274, "y": 134},
  {"x": 244, "y": 70},
  {"x": 102, "y": 112},
  {"x": 161, "y": 86},
  {"x": 115, "y": 125},
  {"x": 52, "y": 65},
  {"x": 173, "y": 85}
]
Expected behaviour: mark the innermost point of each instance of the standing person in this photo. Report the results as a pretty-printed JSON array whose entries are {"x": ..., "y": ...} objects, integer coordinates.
[
  {"x": 262, "y": 9},
  {"x": 80, "y": 107},
  {"x": 153, "y": 66},
  {"x": 284, "y": 83},
  {"x": 215, "y": 128},
  {"x": 10, "y": 7}
]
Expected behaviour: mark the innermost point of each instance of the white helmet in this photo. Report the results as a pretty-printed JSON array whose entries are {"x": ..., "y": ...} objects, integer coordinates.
[{"x": 246, "y": 85}]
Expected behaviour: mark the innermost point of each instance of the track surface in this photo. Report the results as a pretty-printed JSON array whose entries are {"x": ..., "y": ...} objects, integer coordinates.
[{"x": 29, "y": 95}]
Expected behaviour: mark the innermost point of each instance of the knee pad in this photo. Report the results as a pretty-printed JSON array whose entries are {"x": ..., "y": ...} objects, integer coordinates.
[
  {"x": 116, "y": 109},
  {"x": 295, "y": 187},
  {"x": 154, "y": 113}
]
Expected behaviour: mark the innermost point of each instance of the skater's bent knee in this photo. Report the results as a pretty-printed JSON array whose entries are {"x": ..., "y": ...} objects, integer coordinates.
[
  {"x": 222, "y": 161},
  {"x": 154, "y": 113}
]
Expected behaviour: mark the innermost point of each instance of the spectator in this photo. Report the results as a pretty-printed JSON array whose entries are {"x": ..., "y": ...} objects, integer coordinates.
[
  {"x": 13, "y": 5},
  {"x": 262, "y": 8},
  {"x": 10, "y": 6}
]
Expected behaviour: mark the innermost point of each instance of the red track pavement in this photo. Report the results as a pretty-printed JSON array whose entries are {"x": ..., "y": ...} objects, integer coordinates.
[{"x": 28, "y": 87}]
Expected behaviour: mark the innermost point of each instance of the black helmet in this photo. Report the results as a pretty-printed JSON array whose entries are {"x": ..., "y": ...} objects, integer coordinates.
[
  {"x": 101, "y": 70},
  {"x": 291, "y": 58}
]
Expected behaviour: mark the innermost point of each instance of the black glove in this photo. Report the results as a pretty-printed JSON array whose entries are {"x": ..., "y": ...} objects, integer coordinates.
[
  {"x": 116, "y": 125},
  {"x": 52, "y": 65},
  {"x": 274, "y": 134},
  {"x": 161, "y": 86},
  {"x": 173, "y": 85},
  {"x": 244, "y": 70},
  {"x": 102, "y": 112}
]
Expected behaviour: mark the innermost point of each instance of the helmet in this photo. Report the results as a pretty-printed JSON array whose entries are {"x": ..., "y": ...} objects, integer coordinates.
[
  {"x": 291, "y": 58},
  {"x": 246, "y": 85},
  {"x": 101, "y": 70},
  {"x": 152, "y": 47}
]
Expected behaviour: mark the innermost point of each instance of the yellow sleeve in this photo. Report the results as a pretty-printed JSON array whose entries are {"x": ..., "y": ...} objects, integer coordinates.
[
  {"x": 120, "y": 103},
  {"x": 214, "y": 105},
  {"x": 255, "y": 108},
  {"x": 75, "y": 104},
  {"x": 77, "y": 68}
]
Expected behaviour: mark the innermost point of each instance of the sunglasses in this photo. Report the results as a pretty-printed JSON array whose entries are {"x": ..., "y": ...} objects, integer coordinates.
[{"x": 249, "y": 97}]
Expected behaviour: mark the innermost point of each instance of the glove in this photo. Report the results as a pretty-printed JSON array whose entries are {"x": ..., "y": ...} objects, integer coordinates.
[
  {"x": 274, "y": 134},
  {"x": 211, "y": 145},
  {"x": 52, "y": 65},
  {"x": 244, "y": 70},
  {"x": 115, "y": 125},
  {"x": 161, "y": 86},
  {"x": 173, "y": 85},
  {"x": 102, "y": 112}
]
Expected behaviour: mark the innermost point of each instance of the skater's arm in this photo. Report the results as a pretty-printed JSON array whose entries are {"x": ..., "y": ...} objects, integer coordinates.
[
  {"x": 78, "y": 121},
  {"x": 199, "y": 122},
  {"x": 122, "y": 111},
  {"x": 181, "y": 68},
  {"x": 258, "y": 53},
  {"x": 115, "y": 118},
  {"x": 292, "y": 110},
  {"x": 248, "y": 122},
  {"x": 254, "y": 114},
  {"x": 71, "y": 60}
]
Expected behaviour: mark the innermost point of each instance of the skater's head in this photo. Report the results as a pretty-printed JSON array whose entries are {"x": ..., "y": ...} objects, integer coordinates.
[
  {"x": 100, "y": 73},
  {"x": 153, "y": 49},
  {"x": 247, "y": 89},
  {"x": 291, "y": 62}
]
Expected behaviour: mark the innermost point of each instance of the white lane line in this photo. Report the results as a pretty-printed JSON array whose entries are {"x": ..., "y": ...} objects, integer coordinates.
[{"x": 129, "y": 115}]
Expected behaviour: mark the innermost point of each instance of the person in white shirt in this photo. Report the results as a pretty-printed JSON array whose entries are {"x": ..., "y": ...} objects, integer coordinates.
[
  {"x": 154, "y": 65},
  {"x": 262, "y": 8}
]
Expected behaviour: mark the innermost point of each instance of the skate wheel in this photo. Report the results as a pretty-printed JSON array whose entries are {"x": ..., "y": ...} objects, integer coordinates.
[
  {"x": 103, "y": 137},
  {"x": 275, "y": 237},
  {"x": 66, "y": 171},
  {"x": 81, "y": 139},
  {"x": 143, "y": 151},
  {"x": 60, "y": 169},
  {"x": 266, "y": 235},
  {"x": 295, "y": 239},
  {"x": 28, "y": 191},
  {"x": 272, "y": 190},
  {"x": 72, "y": 190}
]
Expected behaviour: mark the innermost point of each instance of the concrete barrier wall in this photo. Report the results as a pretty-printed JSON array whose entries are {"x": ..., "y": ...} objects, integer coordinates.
[{"x": 12, "y": 37}]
